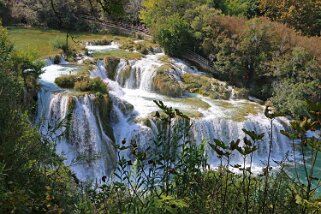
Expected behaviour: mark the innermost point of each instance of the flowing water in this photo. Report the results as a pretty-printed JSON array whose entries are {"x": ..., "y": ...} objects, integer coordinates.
[{"x": 90, "y": 152}]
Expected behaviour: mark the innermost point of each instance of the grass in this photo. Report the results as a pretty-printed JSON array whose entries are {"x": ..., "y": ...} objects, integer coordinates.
[
  {"x": 119, "y": 53},
  {"x": 239, "y": 111},
  {"x": 39, "y": 40}
]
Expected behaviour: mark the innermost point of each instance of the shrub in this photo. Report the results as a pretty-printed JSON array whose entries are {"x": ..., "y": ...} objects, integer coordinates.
[
  {"x": 97, "y": 85},
  {"x": 61, "y": 43},
  {"x": 92, "y": 85},
  {"x": 66, "y": 81},
  {"x": 141, "y": 48}
]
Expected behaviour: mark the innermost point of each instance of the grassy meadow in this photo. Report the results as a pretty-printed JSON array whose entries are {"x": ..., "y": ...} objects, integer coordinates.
[{"x": 41, "y": 41}]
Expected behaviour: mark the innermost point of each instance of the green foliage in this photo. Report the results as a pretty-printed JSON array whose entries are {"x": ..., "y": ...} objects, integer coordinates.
[
  {"x": 33, "y": 179},
  {"x": 292, "y": 98},
  {"x": 61, "y": 44},
  {"x": 305, "y": 188},
  {"x": 173, "y": 35},
  {"x": 172, "y": 174},
  {"x": 114, "y": 9},
  {"x": 91, "y": 84},
  {"x": 66, "y": 81},
  {"x": 5, "y": 47},
  {"x": 299, "y": 81},
  {"x": 155, "y": 10},
  {"x": 82, "y": 83},
  {"x": 236, "y": 7},
  {"x": 257, "y": 45},
  {"x": 302, "y": 15}
]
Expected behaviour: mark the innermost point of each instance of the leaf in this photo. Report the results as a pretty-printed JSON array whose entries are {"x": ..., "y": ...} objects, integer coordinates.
[
  {"x": 234, "y": 144},
  {"x": 220, "y": 143},
  {"x": 218, "y": 151},
  {"x": 253, "y": 135},
  {"x": 289, "y": 135}
]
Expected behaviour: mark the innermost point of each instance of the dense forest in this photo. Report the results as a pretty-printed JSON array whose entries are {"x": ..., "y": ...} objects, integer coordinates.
[{"x": 270, "y": 50}]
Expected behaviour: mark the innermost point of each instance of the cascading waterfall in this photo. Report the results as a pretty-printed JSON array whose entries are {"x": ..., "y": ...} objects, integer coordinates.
[
  {"x": 228, "y": 130},
  {"x": 131, "y": 94},
  {"x": 141, "y": 72},
  {"x": 87, "y": 148}
]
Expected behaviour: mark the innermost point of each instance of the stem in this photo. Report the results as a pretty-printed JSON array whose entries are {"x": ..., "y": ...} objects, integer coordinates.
[{"x": 267, "y": 167}]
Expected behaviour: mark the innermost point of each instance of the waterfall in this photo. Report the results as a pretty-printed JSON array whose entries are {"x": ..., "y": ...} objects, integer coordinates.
[
  {"x": 227, "y": 131},
  {"x": 92, "y": 48},
  {"x": 141, "y": 73},
  {"x": 232, "y": 97},
  {"x": 89, "y": 148}
]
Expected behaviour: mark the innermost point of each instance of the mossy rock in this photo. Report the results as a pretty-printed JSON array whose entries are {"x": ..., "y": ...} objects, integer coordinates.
[
  {"x": 241, "y": 93},
  {"x": 56, "y": 59},
  {"x": 111, "y": 65},
  {"x": 103, "y": 41},
  {"x": 205, "y": 86},
  {"x": 70, "y": 108},
  {"x": 103, "y": 108},
  {"x": 165, "y": 83},
  {"x": 70, "y": 104},
  {"x": 124, "y": 74},
  {"x": 89, "y": 62},
  {"x": 142, "y": 48},
  {"x": 127, "y": 44},
  {"x": 126, "y": 107},
  {"x": 193, "y": 114},
  {"x": 144, "y": 121}
]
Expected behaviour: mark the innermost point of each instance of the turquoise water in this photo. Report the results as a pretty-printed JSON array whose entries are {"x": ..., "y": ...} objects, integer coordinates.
[{"x": 300, "y": 172}]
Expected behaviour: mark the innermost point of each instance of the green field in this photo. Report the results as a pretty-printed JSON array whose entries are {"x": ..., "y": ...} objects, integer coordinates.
[{"x": 41, "y": 40}]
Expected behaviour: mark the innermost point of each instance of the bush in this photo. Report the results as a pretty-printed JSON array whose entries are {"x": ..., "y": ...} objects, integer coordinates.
[
  {"x": 82, "y": 83},
  {"x": 92, "y": 85},
  {"x": 66, "y": 81},
  {"x": 141, "y": 48},
  {"x": 61, "y": 43},
  {"x": 97, "y": 85}
]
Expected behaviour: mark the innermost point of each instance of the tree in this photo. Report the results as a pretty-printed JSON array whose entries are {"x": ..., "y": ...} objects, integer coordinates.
[
  {"x": 154, "y": 10},
  {"x": 114, "y": 9},
  {"x": 33, "y": 178},
  {"x": 233, "y": 7},
  {"x": 173, "y": 35},
  {"x": 299, "y": 81},
  {"x": 304, "y": 16},
  {"x": 256, "y": 46}
]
